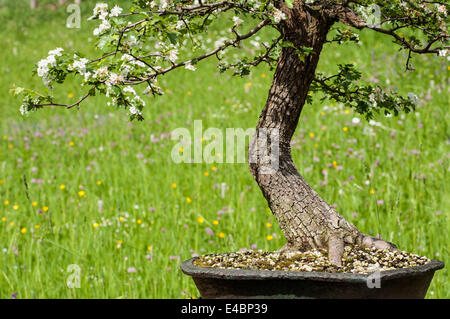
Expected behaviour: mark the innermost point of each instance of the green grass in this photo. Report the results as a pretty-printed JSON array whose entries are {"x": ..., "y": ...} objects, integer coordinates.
[{"x": 407, "y": 170}]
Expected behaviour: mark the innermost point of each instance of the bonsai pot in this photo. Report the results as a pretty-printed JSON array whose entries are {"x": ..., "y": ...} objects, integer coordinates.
[{"x": 410, "y": 282}]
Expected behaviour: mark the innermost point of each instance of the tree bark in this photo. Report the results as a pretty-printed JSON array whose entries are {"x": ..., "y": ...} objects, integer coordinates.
[{"x": 306, "y": 220}]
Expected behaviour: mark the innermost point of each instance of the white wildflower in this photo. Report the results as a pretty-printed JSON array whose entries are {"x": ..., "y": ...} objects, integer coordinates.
[
  {"x": 373, "y": 123},
  {"x": 356, "y": 120}
]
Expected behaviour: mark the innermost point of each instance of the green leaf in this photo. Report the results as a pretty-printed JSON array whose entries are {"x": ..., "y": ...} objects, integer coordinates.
[
  {"x": 173, "y": 37},
  {"x": 290, "y": 3}
]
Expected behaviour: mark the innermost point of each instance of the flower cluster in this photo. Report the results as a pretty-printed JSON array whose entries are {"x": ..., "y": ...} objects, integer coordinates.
[
  {"x": 101, "y": 12},
  {"x": 44, "y": 66}
]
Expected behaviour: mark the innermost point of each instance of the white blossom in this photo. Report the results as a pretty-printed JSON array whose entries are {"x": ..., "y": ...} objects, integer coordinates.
[
  {"x": 164, "y": 4},
  {"x": 23, "y": 109},
  {"x": 173, "y": 55},
  {"x": 278, "y": 15},
  {"x": 237, "y": 21},
  {"x": 115, "y": 79},
  {"x": 56, "y": 52},
  {"x": 442, "y": 9},
  {"x": 131, "y": 42},
  {"x": 134, "y": 110},
  {"x": 129, "y": 89},
  {"x": 180, "y": 24},
  {"x": 115, "y": 11},
  {"x": 104, "y": 26},
  {"x": 42, "y": 68},
  {"x": 413, "y": 98},
  {"x": 79, "y": 65},
  {"x": 101, "y": 10},
  {"x": 44, "y": 65},
  {"x": 101, "y": 73},
  {"x": 189, "y": 66}
]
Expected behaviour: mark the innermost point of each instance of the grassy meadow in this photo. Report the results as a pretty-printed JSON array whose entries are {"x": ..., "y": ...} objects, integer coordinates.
[{"x": 87, "y": 187}]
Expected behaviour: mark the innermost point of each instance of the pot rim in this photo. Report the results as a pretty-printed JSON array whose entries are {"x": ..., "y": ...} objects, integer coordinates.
[{"x": 190, "y": 269}]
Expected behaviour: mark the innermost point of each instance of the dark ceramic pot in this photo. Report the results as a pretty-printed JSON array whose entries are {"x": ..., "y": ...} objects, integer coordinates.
[{"x": 237, "y": 283}]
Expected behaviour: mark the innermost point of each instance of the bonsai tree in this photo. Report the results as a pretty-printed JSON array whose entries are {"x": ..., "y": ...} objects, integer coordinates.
[{"x": 139, "y": 47}]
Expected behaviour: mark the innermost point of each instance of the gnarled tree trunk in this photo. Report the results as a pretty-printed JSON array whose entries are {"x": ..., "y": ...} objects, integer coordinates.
[{"x": 306, "y": 220}]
